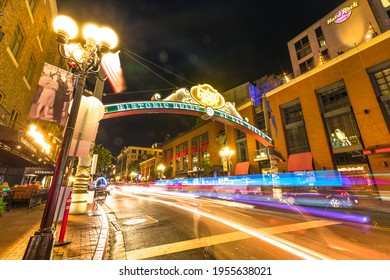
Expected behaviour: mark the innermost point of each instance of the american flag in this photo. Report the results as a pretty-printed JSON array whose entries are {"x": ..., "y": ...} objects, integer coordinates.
[{"x": 111, "y": 66}]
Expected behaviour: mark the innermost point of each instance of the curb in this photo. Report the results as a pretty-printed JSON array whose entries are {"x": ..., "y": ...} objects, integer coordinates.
[
  {"x": 117, "y": 250},
  {"x": 101, "y": 247}
]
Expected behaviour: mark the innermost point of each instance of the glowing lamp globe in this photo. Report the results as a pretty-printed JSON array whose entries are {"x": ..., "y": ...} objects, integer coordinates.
[
  {"x": 65, "y": 29},
  {"x": 108, "y": 39},
  {"x": 92, "y": 32}
]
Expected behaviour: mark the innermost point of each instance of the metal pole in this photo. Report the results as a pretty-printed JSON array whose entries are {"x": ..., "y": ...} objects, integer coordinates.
[{"x": 40, "y": 245}]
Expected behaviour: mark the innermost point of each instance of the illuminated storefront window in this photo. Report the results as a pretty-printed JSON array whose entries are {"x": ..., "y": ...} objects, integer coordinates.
[
  {"x": 185, "y": 157},
  {"x": 204, "y": 147},
  {"x": 177, "y": 157},
  {"x": 194, "y": 153},
  {"x": 341, "y": 125}
]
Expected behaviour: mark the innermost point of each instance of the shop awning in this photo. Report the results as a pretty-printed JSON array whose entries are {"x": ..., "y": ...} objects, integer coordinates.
[
  {"x": 300, "y": 162},
  {"x": 242, "y": 168},
  {"x": 185, "y": 151},
  {"x": 204, "y": 146},
  {"x": 193, "y": 150}
]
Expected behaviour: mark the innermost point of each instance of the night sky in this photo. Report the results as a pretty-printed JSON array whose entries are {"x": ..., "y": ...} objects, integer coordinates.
[{"x": 167, "y": 44}]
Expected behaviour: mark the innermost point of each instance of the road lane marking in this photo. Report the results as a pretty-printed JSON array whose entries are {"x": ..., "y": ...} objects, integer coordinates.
[
  {"x": 181, "y": 246},
  {"x": 283, "y": 244},
  {"x": 381, "y": 228}
]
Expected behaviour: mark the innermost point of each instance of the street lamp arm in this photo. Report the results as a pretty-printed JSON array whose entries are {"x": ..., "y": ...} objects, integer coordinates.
[{"x": 103, "y": 79}]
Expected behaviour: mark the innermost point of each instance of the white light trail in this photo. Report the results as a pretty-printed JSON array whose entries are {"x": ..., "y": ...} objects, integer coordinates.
[{"x": 285, "y": 245}]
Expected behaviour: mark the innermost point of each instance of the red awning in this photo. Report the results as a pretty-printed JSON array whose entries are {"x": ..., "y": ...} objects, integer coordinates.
[
  {"x": 177, "y": 155},
  {"x": 185, "y": 152},
  {"x": 193, "y": 150},
  {"x": 204, "y": 146},
  {"x": 242, "y": 168},
  {"x": 300, "y": 162}
]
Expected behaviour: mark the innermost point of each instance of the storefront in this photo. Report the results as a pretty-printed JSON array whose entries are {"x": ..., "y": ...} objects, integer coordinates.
[{"x": 17, "y": 153}]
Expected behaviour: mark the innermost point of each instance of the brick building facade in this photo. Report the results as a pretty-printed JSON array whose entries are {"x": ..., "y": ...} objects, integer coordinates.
[{"x": 28, "y": 42}]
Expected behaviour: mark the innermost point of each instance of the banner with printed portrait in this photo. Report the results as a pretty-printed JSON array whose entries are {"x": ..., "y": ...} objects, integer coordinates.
[{"x": 53, "y": 95}]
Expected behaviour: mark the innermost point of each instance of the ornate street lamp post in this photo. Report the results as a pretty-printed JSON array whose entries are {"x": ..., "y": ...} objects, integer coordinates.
[
  {"x": 226, "y": 154},
  {"x": 85, "y": 59}
]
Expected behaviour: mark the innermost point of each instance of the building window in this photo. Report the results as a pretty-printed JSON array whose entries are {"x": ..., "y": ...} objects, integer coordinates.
[
  {"x": 2, "y": 4},
  {"x": 42, "y": 31},
  {"x": 324, "y": 56},
  {"x": 320, "y": 37},
  {"x": 341, "y": 125},
  {"x": 17, "y": 42},
  {"x": 242, "y": 147},
  {"x": 14, "y": 118},
  {"x": 204, "y": 147},
  {"x": 381, "y": 81},
  {"x": 261, "y": 121},
  {"x": 295, "y": 130},
  {"x": 238, "y": 95},
  {"x": 32, "y": 4},
  {"x": 31, "y": 70},
  {"x": 302, "y": 47},
  {"x": 194, "y": 153},
  {"x": 306, "y": 65},
  {"x": 386, "y": 6},
  {"x": 170, "y": 156},
  {"x": 242, "y": 150},
  {"x": 177, "y": 157},
  {"x": 184, "y": 154}
]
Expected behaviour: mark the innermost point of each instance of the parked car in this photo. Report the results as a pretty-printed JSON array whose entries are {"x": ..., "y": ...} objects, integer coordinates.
[{"x": 335, "y": 198}]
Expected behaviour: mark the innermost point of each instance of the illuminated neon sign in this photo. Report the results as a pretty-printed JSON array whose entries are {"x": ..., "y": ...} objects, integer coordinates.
[
  {"x": 343, "y": 14},
  {"x": 39, "y": 139},
  {"x": 206, "y": 95},
  {"x": 201, "y": 101},
  {"x": 144, "y": 107}
]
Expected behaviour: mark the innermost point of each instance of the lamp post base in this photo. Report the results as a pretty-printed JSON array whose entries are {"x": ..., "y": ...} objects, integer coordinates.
[
  {"x": 40, "y": 246},
  {"x": 79, "y": 203}
]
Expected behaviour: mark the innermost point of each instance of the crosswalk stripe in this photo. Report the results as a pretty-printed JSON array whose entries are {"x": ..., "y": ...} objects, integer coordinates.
[{"x": 219, "y": 239}]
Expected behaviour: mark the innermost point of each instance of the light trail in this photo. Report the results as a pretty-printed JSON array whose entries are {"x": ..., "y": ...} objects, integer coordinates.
[{"x": 280, "y": 243}]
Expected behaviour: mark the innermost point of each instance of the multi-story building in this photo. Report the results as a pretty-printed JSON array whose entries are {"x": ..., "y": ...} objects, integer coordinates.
[
  {"x": 149, "y": 169},
  {"x": 334, "y": 116},
  {"x": 341, "y": 30},
  {"x": 26, "y": 42},
  {"x": 132, "y": 154}
]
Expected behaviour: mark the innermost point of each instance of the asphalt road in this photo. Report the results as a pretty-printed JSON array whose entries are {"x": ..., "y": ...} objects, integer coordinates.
[{"x": 163, "y": 225}]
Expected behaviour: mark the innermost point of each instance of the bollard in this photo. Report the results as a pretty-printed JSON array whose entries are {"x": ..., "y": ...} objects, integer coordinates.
[{"x": 64, "y": 222}]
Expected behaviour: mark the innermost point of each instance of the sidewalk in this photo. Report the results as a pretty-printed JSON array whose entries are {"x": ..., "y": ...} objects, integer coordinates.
[{"x": 88, "y": 234}]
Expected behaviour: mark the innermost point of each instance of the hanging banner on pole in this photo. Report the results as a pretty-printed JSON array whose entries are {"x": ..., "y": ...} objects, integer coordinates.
[{"x": 53, "y": 95}]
